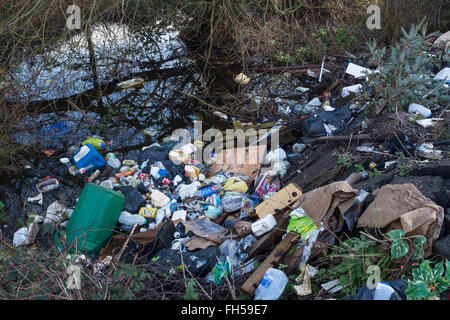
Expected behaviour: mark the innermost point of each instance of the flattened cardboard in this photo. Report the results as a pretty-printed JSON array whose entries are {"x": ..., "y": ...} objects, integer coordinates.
[
  {"x": 403, "y": 206},
  {"x": 279, "y": 201},
  {"x": 325, "y": 199},
  {"x": 243, "y": 161},
  {"x": 198, "y": 243}
]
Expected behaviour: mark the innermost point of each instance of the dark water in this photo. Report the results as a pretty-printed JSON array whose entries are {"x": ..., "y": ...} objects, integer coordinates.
[
  {"x": 121, "y": 53},
  {"x": 129, "y": 119}
]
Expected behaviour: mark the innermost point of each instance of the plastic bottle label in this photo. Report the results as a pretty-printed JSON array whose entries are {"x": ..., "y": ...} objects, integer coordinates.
[
  {"x": 208, "y": 191},
  {"x": 82, "y": 153},
  {"x": 266, "y": 281}
]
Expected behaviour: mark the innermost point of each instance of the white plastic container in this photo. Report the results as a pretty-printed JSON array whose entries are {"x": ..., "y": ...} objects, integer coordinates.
[
  {"x": 131, "y": 219},
  {"x": 419, "y": 109},
  {"x": 159, "y": 199},
  {"x": 263, "y": 225}
]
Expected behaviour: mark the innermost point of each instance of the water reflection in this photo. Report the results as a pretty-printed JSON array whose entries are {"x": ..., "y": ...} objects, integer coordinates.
[{"x": 121, "y": 52}]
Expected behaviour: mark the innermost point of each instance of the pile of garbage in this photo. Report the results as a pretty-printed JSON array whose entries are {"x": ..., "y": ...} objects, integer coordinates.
[
  {"x": 215, "y": 217},
  {"x": 173, "y": 208}
]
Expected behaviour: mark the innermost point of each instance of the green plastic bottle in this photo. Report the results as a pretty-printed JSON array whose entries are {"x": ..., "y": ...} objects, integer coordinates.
[{"x": 94, "y": 218}]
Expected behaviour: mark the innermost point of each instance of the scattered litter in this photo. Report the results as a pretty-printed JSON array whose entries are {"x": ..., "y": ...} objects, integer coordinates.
[
  {"x": 242, "y": 79},
  {"x": 419, "y": 109},
  {"x": 332, "y": 286},
  {"x": 347, "y": 90},
  {"x": 358, "y": 71}
]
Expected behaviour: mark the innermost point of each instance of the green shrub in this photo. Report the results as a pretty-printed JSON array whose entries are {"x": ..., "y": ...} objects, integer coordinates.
[{"x": 403, "y": 76}]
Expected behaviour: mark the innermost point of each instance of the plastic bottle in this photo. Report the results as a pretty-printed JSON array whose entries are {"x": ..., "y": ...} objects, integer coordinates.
[
  {"x": 206, "y": 192},
  {"x": 420, "y": 109},
  {"x": 83, "y": 170},
  {"x": 94, "y": 175},
  {"x": 272, "y": 285},
  {"x": 357, "y": 177},
  {"x": 147, "y": 212},
  {"x": 131, "y": 219},
  {"x": 160, "y": 215}
]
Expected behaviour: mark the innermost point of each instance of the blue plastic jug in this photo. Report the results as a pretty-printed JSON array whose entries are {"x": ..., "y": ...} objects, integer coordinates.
[{"x": 88, "y": 157}]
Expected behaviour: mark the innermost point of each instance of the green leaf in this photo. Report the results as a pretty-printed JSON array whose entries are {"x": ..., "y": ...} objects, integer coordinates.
[
  {"x": 396, "y": 234},
  {"x": 425, "y": 271},
  {"x": 441, "y": 284},
  {"x": 447, "y": 270},
  {"x": 419, "y": 241},
  {"x": 417, "y": 290},
  {"x": 399, "y": 248},
  {"x": 437, "y": 271}
]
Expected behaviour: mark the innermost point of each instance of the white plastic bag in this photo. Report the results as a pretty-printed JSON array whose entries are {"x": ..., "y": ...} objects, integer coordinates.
[
  {"x": 187, "y": 191},
  {"x": 276, "y": 155},
  {"x": 54, "y": 213},
  {"x": 20, "y": 237}
]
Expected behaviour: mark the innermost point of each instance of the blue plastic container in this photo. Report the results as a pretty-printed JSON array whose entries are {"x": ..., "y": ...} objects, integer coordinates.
[{"x": 88, "y": 157}]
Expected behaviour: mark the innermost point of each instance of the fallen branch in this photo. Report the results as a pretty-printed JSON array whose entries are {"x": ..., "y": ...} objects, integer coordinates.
[
  {"x": 81, "y": 111},
  {"x": 343, "y": 138}
]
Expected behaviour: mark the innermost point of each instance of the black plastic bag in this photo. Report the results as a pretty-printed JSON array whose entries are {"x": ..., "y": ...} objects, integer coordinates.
[
  {"x": 163, "y": 240},
  {"x": 313, "y": 126},
  {"x": 153, "y": 154},
  {"x": 199, "y": 262},
  {"x": 133, "y": 199},
  {"x": 402, "y": 144}
]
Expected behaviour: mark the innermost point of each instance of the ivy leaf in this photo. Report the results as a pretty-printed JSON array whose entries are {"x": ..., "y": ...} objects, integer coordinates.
[
  {"x": 425, "y": 271},
  {"x": 396, "y": 234},
  {"x": 419, "y": 241},
  {"x": 399, "y": 248},
  {"x": 438, "y": 271},
  {"x": 441, "y": 284},
  {"x": 417, "y": 290}
]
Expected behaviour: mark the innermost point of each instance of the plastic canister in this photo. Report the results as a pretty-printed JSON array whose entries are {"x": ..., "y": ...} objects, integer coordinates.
[
  {"x": 263, "y": 225},
  {"x": 94, "y": 218},
  {"x": 88, "y": 155}
]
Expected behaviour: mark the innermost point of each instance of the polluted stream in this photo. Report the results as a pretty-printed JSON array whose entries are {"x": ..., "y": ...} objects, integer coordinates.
[{"x": 129, "y": 119}]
